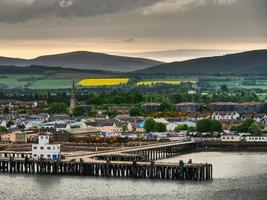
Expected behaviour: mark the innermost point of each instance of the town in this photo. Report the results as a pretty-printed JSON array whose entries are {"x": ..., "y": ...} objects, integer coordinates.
[{"x": 72, "y": 134}]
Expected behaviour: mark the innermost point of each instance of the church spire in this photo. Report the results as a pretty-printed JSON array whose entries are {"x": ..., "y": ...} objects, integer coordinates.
[{"x": 73, "y": 101}]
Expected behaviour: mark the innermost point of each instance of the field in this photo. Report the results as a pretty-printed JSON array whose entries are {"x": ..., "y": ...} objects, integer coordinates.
[
  {"x": 169, "y": 82},
  {"x": 95, "y": 82},
  {"x": 64, "y": 81},
  {"x": 34, "y": 82}
]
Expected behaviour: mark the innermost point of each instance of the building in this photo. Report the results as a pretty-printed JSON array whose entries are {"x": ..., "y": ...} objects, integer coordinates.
[
  {"x": 256, "y": 139},
  {"x": 122, "y": 110},
  {"x": 251, "y": 107},
  {"x": 189, "y": 107},
  {"x": 150, "y": 107},
  {"x": 223, "y": 107},
  {"x": 225, "y": 116},
  {"x": 46, "y": 150},
  {"x": 231, "y": 138},
  {"x": 14, "y": 137},
  {"x": 81, "y": 132}
]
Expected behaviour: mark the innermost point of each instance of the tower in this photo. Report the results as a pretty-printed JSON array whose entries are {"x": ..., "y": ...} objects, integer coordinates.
[{"x": 73, "y": 101}]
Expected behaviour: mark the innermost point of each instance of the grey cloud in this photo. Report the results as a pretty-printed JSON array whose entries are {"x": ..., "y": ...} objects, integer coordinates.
[
  {"x": 12, "y": 11},
  {"x": 167, "y": 6},
  {"x": 129, "y": 40}
]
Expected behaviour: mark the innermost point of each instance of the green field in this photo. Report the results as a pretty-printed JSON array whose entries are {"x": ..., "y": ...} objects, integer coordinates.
[{"x": 34, "y": 82}]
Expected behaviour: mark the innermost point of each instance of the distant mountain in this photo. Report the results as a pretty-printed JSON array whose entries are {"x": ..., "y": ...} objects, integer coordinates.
[
  {"x": 250, "y": 62},
  {"x": 85, "y": 60},
  {"x": 180, "y": 54}
]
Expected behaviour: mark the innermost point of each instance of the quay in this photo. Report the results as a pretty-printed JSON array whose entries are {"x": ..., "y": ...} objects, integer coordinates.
[{"x": 145, "y": 170}]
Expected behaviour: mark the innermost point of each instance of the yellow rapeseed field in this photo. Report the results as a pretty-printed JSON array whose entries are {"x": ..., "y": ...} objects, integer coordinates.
[
  {"x": 173, "y": 82},
  {"x": 93, "y": 82}
]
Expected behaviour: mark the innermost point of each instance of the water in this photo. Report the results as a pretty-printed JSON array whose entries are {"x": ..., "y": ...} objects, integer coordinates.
[{"x": 237, "y": 176}]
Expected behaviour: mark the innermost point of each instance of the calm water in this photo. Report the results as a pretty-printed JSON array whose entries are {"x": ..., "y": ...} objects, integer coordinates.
[{"x": 237, "y": 176}]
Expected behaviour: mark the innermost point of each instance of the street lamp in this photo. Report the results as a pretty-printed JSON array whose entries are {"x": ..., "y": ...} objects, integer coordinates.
[{"x": 206, "y": 148}]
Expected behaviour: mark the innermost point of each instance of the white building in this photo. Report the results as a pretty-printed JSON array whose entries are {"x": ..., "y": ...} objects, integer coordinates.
[
  {"x": 256, "y": 139},
  {"x": 231, "y": 138},
  {"x": 45, "y": 150},
  {"x": 228, "y": 116}
]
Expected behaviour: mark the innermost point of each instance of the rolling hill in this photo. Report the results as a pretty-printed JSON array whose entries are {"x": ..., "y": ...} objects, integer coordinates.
[
  {"x": 250, "y": 62},
  {"x": 86, "y": 61}
]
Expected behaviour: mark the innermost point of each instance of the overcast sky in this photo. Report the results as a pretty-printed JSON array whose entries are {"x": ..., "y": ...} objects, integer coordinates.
[{"x": 29, "y": 28}]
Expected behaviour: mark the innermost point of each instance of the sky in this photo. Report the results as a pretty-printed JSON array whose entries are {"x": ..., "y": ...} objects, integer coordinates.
[{"x": 29, "y": 28}]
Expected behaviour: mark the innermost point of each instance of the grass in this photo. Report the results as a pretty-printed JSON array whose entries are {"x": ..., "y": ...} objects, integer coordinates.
[{"x": 95, "y": 82}]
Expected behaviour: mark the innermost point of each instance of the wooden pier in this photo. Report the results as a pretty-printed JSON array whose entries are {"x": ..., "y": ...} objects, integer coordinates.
[{"x": 149, "y": 170}]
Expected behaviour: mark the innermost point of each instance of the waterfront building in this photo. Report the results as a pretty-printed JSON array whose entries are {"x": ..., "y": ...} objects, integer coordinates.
[
  {"x": 231, "y": 138},
  {"x": 256, "y": 139},
  {"x": 46, "y": 150}
]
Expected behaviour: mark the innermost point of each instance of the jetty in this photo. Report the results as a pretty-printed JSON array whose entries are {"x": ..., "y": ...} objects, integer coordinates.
[{"x": 135, "y": 162}]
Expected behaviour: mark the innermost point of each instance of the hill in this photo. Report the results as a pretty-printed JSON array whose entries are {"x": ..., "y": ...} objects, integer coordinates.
[
  {"x": 250, "y": 62},
  {"x": 86, "y": 61}
]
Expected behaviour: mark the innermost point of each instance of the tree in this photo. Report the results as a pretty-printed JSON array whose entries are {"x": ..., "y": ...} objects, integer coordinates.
[
  {"x": 79, "y": 111},
  {"x": 203, "y": 125},
  {"x": 165, "y": 107},
  {"x": 9, "y": 123},
  {"x": 224, "y": 89},
  {"x": 135, "y": 111},
  {"x": 150, "y": 125},
  {"x": 207, "y": 125},
  {"x": 216, "y": 126},
  {"x": 255, "y": 129},
  {"x": 160, "y": 127},
  {"x": 2, "y": 129},
  {"x": 244, "y": 126},
  {"x": 58, "y": 107},
  {"x": 124, "y": 128},
  {"x": 191, "y": 129},
  {"x": 182, "y": 127}
]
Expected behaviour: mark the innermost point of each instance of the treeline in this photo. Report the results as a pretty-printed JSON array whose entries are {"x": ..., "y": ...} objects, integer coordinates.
[{"x": 118, "y": 97}]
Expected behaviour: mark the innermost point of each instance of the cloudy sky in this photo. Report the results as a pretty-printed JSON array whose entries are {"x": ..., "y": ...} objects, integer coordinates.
[{"x": 29, "y": 28}]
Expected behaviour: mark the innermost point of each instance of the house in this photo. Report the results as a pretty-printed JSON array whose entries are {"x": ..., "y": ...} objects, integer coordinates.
[
  {"x": 40, "y": 117},
  {"x": 82, "y": 132},
  {"x": 260, "y": 117},
  {"x": 171, "y": 126},
  {"x": 46, "y": 150},
  {"x": 226, "y": 116},
  {"x": 76, "y": 125},
  {"x": 161, "y": 120},
  {"x": 14, "y": 137},
  {"x": 122, "y": 110},
  {"x": 135, "y": 127},
  {"x": 110, "y": 125}
]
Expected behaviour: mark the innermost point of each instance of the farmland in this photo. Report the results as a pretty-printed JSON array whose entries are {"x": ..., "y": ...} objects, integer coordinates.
[
  {"x": 169, "y": 82},
  {"x": 95, "y": 82}
]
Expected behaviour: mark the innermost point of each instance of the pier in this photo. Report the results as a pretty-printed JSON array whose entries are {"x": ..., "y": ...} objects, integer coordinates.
[
  {"x": 145, "y": 170},
  {"x": 132, "y": 162}
]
